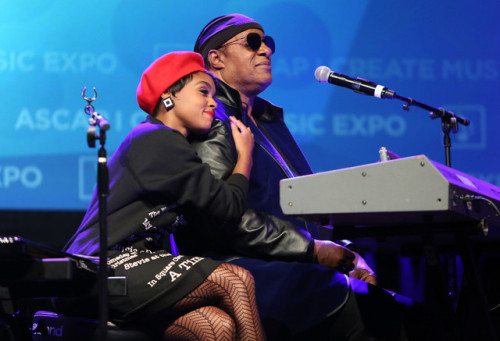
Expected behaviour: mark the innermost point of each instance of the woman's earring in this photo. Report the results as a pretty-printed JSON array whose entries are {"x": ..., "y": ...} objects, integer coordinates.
[{"x": 168, "y": 103}]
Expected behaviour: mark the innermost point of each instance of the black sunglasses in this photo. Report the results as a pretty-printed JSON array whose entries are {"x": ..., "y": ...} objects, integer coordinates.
[{"x": 254, "y": 41}]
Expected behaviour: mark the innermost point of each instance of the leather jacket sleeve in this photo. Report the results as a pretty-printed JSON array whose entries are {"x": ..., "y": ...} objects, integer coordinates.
[{"x": 258, "y": 235}]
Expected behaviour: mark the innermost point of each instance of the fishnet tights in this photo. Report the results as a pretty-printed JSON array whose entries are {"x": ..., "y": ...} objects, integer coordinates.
[{"x": 223, "y": 307}]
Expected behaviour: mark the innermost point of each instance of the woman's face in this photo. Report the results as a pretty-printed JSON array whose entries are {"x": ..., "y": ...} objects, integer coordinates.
[{"x": 194, "y": 106}]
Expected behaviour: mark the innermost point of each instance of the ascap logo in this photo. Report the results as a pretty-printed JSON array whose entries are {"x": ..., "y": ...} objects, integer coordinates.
[
  {"x": 368, "y": 125},
  {"x": 64, "y": 119},
  {"x": 87, "y": 168},
  {"x": 28, "y": 177},
  {"x": 425, "y": 69},
  {"x": 492, "y": 178},
  {"x": 54, "y": 331},
  {"x": 346, "y": 125},
  {"x": 57, "y": 61},
  {"x": 7, "y": 240}
]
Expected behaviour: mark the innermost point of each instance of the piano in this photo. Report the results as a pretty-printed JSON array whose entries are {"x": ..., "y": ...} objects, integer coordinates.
[
  {"x": 31, "y": 274},
  {"x": 33, "y": 270},
  {"x": 410, "y": 197},
  {"x": 401, "y": 192}
]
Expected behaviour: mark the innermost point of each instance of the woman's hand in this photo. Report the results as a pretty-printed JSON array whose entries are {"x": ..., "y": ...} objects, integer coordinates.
[
  {"x": 244, "y": 141},
  {"x": 243, "y": 137}
]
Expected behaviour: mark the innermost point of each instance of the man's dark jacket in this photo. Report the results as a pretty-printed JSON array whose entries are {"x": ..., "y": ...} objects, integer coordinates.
[{"x": 264, "y": 232}]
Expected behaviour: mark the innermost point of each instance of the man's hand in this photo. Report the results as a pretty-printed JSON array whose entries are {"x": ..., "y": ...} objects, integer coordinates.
[
  {"x": 332, "y": 255},
  {"x": 362, "y": 271}
]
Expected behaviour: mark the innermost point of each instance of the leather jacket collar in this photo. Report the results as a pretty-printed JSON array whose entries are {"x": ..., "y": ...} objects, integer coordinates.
[{"x": 264, "y": 110}]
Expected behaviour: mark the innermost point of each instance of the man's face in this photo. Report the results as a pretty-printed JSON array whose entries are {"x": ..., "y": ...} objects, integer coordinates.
[{"x": 246, "y": 70}]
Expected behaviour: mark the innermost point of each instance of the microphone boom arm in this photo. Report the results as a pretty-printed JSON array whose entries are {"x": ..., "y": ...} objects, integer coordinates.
[{"x": 434, "y": 112}]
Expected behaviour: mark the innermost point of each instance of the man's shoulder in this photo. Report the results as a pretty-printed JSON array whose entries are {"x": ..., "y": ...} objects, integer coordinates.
[
  {"x": 266, "y": 111},
  {"x": 229, "y": 104}
]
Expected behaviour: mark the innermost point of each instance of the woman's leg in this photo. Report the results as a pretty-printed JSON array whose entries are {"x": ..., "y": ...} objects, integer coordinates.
[
  {"x": 204, "y": 324},
  {"x": 232, "y": 289}
]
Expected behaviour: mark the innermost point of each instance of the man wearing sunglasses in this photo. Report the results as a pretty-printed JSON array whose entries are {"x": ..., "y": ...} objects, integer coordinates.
[{"x": 302, "y": 286}]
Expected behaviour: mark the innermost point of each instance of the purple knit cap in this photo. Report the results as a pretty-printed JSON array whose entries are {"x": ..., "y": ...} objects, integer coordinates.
[{"x": 221, "y": 29}]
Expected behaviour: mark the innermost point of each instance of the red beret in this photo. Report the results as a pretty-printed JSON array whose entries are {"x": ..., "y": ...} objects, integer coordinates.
[{"x": 163, "y": 73}]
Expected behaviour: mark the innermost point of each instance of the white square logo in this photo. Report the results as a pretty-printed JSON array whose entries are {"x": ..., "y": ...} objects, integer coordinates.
[{"x": 473, "y": 136}]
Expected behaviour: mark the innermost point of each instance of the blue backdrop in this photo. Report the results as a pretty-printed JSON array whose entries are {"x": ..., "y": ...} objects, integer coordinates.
[{"x": 443, "y": 53}]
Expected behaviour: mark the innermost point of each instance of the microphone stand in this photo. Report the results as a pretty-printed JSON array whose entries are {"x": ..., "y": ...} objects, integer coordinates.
[
  {"x": 449, "y": 121},
  {"x": 96, "y": 120}
]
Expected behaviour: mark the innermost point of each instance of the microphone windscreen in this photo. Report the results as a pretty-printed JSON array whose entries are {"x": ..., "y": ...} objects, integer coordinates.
[{"x": 322, "y": 73}]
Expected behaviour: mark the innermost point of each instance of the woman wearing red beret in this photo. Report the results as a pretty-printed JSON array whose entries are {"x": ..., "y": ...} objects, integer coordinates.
[{"x": 155, "y": 179}]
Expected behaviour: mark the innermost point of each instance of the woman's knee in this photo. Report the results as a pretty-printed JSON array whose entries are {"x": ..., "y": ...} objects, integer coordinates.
[
  {"x": 243, "y": 274},
  {"x": 220, "y": 322},
  {"x": 205, "y": 323}
]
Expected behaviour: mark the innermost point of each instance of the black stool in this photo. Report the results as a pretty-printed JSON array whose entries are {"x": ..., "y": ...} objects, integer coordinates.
[{"x": 48, "y": 326}]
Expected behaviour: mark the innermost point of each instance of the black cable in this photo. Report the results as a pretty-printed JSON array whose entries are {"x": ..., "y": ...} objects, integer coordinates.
[{"x": 477, "y": 197}]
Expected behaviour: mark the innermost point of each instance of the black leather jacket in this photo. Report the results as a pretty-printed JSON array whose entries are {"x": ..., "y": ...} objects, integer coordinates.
[{"x": 263, "y": 232}]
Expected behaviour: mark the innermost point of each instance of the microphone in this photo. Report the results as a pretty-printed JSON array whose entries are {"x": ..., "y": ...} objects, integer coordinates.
[{"x": 323, "y": 74}]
